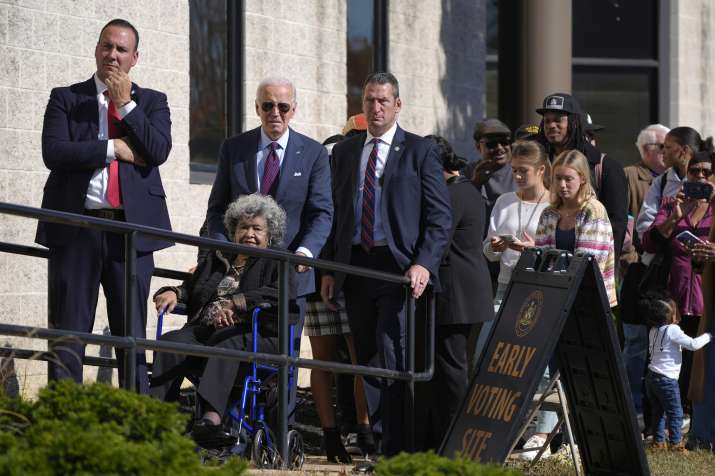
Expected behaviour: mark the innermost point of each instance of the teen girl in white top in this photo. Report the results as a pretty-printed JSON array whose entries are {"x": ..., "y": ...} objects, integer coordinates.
[
  {"x": 512, "y": 224},
  {"x": 512, "y": 227}
]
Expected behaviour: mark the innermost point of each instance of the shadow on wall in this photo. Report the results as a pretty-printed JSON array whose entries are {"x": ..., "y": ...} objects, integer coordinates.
[{"x": 462, "y": 83}]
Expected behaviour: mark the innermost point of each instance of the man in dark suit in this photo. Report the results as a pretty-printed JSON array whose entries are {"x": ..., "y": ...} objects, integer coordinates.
[
  {"x": 276, "y": 160},
  {"x": 393, "y": 215},
  {"x": 103, "y": 141}
]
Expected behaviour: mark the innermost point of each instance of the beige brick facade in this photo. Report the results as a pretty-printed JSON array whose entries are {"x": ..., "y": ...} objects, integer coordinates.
[
  {"x": 692, "y": 65},
  {"x": 435, "y": 53}
]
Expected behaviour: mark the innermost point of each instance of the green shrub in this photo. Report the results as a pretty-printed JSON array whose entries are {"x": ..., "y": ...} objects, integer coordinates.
[
  {"x": 429, "y": 464},
  {"x": 97, "y": 430}
]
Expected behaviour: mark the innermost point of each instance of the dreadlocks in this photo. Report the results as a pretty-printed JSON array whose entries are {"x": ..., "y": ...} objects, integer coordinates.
[{"x": 576, "y": 136}]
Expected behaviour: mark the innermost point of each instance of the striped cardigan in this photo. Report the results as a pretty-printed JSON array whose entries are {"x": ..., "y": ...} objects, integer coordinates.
[{"x": 594, "y": 236}]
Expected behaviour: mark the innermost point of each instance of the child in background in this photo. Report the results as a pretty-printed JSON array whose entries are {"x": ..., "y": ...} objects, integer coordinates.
[{"x": 666, "y": 341}]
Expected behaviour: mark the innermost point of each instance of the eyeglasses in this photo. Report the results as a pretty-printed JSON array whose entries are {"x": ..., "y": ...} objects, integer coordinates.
[
  {"x": 700, "y": 170},
  {"x": 492, "y": 144},
  {"x": 657, "y": 146},
  {"x": 268, "y": 106}
]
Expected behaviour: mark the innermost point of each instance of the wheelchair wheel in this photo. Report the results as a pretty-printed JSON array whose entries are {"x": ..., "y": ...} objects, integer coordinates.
[
  {"x": 296, "y": 454},
  {"x": 264, "y": 455}
]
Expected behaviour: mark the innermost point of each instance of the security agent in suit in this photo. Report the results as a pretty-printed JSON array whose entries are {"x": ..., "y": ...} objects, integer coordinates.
[
  {"x": 393, "y": 215},
  {"x": 298, "y": 178},
  {"x": 465, "y": 300},
  {"x": 103, "y": 141}
]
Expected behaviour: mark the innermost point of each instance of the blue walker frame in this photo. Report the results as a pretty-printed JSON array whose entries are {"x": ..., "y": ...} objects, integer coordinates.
[{"x": 250, "y": 419}]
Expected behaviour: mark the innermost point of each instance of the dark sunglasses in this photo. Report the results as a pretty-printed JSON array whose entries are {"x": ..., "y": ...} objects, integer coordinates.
[
  {"x": 657, "y": 146},
  {"x": 282, "y": 106},
  {"x": 699, "y": 170},
  {"x": 492, "y": 144}
]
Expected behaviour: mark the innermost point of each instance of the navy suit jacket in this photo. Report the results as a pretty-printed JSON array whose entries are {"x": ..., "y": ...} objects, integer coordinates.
[
  {"x": 303, "y": 191},
  {"x": 415, "y": 207},
  {"x": 72, "y": 152}
]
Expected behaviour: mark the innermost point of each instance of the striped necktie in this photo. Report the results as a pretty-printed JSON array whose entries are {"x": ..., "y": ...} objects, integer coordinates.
[{"x": 367, "y": 220}]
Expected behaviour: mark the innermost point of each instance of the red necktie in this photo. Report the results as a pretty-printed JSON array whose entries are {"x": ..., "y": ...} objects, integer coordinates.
[
  {"x": 367, "y": 219},
  {"x": 114, "y": 128},
  {"x": 271, "y": 171}
]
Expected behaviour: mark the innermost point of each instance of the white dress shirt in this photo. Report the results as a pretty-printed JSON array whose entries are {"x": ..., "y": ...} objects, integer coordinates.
[
  {"x": 262, "y": 156},
  {"x": 383, "y": 151},
  {"x": 97, "y": 189}
]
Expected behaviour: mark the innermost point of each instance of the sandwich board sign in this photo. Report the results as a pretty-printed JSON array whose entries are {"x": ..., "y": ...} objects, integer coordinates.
[{"x": 555, "y": 307}]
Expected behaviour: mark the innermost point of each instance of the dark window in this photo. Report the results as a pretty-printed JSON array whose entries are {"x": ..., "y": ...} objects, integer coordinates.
[
  {"x": 622, "y": 100},
  {"x": 366, "y": 46},
  {"x": 615, "y": 29},
  {"x": 492, "y": 27},
  {"x": 207, "y": 69},
  {"x": 492, "y": 89},
  {"x": 361, "y": 16}
]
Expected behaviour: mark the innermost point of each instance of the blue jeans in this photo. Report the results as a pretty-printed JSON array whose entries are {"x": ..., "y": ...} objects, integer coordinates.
[
  {"x": 664, "y": 396},
  {"x": 635, "y": 355}
]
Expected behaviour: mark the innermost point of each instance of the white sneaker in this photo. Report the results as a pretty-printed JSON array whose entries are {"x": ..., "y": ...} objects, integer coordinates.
[
  {"x": 686, "y": 424},
  {"x": 536, "y": 442}
]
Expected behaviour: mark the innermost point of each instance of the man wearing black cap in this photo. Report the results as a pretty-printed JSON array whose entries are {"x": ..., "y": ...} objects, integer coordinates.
[
  {"x": 492, "y": 175},
  {"x": 561, "y": 129}
]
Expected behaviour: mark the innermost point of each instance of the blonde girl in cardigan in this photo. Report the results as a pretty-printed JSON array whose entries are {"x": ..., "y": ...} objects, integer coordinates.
[{"x": 576, "y": 221}]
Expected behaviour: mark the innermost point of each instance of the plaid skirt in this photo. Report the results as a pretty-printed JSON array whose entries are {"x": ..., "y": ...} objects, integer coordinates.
[{"x": 321, "y": 321}]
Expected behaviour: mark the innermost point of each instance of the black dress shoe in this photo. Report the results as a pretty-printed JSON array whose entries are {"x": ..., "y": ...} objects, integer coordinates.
[
  {"x": 366, "y": 440},
  {"x": 334, "y": 449},
  {"x": 210, "y": 436},
  {"x": 365, "y": 467}
]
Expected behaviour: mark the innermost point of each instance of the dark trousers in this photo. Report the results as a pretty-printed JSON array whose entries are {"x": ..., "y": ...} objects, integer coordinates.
[
  {"x": 437, "y": 401},
  {"x": 217, "y": 377},
  {"x": 377, "y": 321},
  {"x": 76, "y": 271}
]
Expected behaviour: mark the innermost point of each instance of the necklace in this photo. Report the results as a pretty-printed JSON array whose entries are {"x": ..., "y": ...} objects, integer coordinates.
[
  {"x": 238, "y": 269},
  {"x": 568, "y": 214},
  {"x": 521, "y": 229}
]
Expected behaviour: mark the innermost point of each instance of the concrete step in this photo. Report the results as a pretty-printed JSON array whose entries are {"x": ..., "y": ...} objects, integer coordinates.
[{"x": 314, "y": 465}]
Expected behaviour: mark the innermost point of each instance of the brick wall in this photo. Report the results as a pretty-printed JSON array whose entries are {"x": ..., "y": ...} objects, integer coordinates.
[
  {"x": 44, "y": 44},
  {"x": 304, "y": 41},
  {"x": 693, "y": 65},
  {"x": 437, "y": 50}
]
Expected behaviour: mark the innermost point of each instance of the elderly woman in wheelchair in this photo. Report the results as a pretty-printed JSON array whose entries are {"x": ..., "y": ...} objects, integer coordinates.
[{"x": 220, "y": 297}]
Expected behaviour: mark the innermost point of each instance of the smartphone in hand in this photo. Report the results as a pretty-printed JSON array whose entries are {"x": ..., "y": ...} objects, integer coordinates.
[
  {"x": 508, "y": 238},
  {"x": 687, "y": 239},
  {"x": 697, "y": 190}
]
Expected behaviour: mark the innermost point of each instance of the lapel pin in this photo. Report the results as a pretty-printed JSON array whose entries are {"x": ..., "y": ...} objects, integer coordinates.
[
  {"x": 297, "y": 152},
  {"x": 397, "y": 148},
  {"x": 297, "y": 174}
]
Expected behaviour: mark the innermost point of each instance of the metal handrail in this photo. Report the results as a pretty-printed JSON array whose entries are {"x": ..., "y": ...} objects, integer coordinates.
[
  {"x": 86, "y": 221},
  {"x": 283, "y": 359}
]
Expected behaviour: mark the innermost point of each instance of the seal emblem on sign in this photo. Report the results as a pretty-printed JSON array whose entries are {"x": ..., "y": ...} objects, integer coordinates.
[{"x": 529, "y": 313}]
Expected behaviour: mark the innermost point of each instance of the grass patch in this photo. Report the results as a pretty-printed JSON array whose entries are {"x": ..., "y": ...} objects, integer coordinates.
[
  {"x": 695, "y": 463},
  {"x": 662, "y": 463}
]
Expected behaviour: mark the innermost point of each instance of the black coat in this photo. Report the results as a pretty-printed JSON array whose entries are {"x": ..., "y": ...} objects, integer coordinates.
[
  {"x": 613, "y": 193},
  {"x": 414, "y": 207},
  {"x": 466, "y": 295},
  {"x": 258, "y": 286}
]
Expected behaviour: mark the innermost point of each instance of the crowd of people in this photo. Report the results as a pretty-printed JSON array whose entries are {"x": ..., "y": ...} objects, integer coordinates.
[{"x": 380, "y": 197}]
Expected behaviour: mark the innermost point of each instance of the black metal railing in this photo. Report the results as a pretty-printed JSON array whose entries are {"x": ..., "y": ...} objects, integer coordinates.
[{"x": 283, "y": 359}]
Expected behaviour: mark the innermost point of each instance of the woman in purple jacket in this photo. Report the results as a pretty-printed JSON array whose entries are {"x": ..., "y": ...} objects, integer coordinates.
[{"x": 676, "y": 215}]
